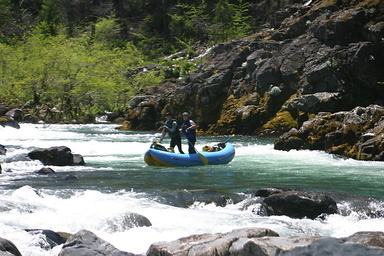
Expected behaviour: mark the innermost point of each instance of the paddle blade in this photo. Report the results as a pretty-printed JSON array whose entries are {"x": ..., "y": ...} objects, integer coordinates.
[{"x": 203, "y": 159}]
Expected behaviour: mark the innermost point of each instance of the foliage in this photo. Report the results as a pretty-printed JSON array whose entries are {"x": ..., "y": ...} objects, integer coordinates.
[
  {"x": 76, "y": 55},
  {"x": 77, "y": 76},
  {"x": 191, "y": 23},
  {"x": 231, "y": 21}
]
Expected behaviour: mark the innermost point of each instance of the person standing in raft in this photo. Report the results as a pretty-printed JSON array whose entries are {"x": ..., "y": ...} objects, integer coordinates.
[
  {"x": 188, "y": 128},
  {"x": 171, "y": 127}
]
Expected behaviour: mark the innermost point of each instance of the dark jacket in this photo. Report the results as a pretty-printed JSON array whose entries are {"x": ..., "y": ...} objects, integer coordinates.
[
  {"x": 172, "y": 128},
  {"x": 189, "y": 133}
]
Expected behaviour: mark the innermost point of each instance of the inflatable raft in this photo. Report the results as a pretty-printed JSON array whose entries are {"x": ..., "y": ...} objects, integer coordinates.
[{"x": 158, "y": 157}]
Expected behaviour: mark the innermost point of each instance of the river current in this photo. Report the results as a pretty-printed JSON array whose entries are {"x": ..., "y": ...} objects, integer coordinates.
[{"x": 177, "y": 201}]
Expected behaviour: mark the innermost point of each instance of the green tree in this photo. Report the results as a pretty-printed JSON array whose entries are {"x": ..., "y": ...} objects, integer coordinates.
[
  {"x": 230, "y": 21},
  {"x": 50, "y": 14},
  {"x": 191, "y": 23},
  {"x": 75, "y": 76}
]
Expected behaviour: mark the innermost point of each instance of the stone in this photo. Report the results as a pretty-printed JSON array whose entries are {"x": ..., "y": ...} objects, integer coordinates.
[
  {"x": 59, "y": 156},
  {"x": 45, "y": 171},
  {"x": 86, "y": 243},
  {"x": 49, "y": 238},
  {"x": 8, "y": 248},
  {"x": 209, "y": 244},
  {"x": 296, "y": 204},
  {"x": 3, "y": 150}
]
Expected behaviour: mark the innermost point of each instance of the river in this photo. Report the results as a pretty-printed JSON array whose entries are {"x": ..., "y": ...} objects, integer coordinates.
[{"x": 116, "y": 181}]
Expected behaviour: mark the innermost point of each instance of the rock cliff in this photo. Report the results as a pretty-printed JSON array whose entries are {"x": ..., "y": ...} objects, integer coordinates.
[{"x": 308, "y": 57}]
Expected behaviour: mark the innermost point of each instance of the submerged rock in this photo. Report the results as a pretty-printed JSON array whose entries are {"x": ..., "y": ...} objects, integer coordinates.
[{"x": 45, "y": 170}]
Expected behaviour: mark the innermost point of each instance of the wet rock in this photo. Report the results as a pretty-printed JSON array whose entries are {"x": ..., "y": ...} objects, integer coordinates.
[
  {"x": 45, "y": 171},
  {"x": 59, "y": 156},
  {"x": 8, "y": 248},
  {"x": 127, "y": 221},
  {"x": 9, "y": 121},
  {"x": 296, "y": 204},
  {"x": 47, "y": 238},
  {"x": 231, "y": 243},
  {"x": 86, "y": 243},
  {"x": 3, "y": 150}
]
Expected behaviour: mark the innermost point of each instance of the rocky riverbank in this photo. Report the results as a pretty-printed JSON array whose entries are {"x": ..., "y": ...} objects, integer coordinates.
[
  {"x": 244, "y": 241},
  {"x": 247, "y": 241}
]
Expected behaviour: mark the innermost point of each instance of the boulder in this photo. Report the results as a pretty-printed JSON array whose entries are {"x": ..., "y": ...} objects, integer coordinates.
[
  {"x": 8, "y": 248},
  {"x": 330, "y": 246},
  {"x": 47, "y": 238},
  {"x": 314, "y": 103},
  {"x": 231, "y": 243},
  {"x": 86, "y": 243},
  {"x": 9, "y": 121},
  {"x": 59, "y": 156},
  {"x": 264, "y": 242},
  {"x": 372, "y": 238},
  {"x": 127, "y": 221},
  {"x": 296, "y": 204}
]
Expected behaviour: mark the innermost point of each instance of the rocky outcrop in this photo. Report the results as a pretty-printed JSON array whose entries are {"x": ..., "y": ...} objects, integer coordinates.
[
  {"x": 59, "y": 156},
  {"x": 231, "y": 243},
  {"x": 309, "y": 58},
  {"x": 87, "y": 243},
  {"x": 254, "y": 241},
  {"x": 294, "y": 203},
  {"x": 313, "y": 57},
  {"x": 356, "y": 134}
]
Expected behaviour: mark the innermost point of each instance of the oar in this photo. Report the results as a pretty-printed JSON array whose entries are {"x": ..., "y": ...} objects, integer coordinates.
[
  {"x": 225, "y": 142},
  {"x": 202, "y": 158}
]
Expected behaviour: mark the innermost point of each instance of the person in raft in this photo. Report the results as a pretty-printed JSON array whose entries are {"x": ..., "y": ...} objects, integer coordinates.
[
  {"x": 171, "y": 127},
  {"x": 188, "y": 128}
]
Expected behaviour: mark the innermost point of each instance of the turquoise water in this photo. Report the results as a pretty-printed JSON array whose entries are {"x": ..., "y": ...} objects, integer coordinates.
[{"x": 115, "y": 180}]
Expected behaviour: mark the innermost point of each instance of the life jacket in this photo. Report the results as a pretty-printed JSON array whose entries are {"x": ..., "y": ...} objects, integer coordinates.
[
  {"x": 169, "y": 124},
  {"x": 191, "y": 133}
]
